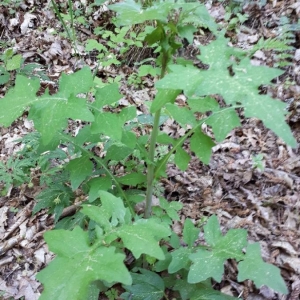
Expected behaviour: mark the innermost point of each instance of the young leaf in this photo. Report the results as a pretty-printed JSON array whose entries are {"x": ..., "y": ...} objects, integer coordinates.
[
  {"x": 77, "y": 265},
  {"x": 254, "y": 268}
]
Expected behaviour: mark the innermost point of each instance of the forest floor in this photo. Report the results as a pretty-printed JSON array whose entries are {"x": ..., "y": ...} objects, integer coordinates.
[{"x": 251, "y": 182}]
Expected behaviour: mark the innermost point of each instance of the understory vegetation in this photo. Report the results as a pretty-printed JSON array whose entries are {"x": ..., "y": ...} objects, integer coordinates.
[{"x": 111, "y": 165}]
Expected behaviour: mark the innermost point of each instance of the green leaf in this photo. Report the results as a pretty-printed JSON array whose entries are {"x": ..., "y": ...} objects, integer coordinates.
[
  {"x": 180, "y": 260},
  {"x": 182, "y": 159},
  {"x": 210, "y": 263},
  {"x": 77, "y": 265},
  {"x": 133, "y": 179},
  {"x": 254, "y": 268},
  {"x": 203, "y": 104},
  {"x": 117, "y": 152},
  {"x": 239, "y": 87},
  {"x": 156, "y": 35},
  {"x": 14, "y": 63},
  {"x": 93, "y": 44},
  {"x": 97, "y": 184},
  {"x": 187, "y": 81},
  {"x": 162, "y": 97},
  {"x": 142, "y": 237},
  {"x": 201, "y": 144},
  {"x": 18, "y": 99},
  {"x": 111, "y": 213},
  {"x": 212, "y": 231},
  {"x": 108, "y": 124},
  {"x": 130, "y": 12},
  {"x": 107, "y": 95},
  {"x": 79, "y": 168},
  {"x": 187, "y": 32},
  {"x": 190, "y": 233},
  {"x": 222, "y": 122},
  {"x": 182, "y": 115},
  {"x": 147, "y": 285},
  {"x": 51, "y": 112}
]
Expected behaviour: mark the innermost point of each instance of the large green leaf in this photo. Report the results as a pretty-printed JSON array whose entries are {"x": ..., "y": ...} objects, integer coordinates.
[
  {"x": 210, "y": 263},
  {"x": 18, "y": 99},
  {"x": 51, "y": 112},
  {"x": 254, "y": 268},
  {"x": 143, "y": 237},
  {"x": 239, "y": 86},
  {"x": 78, "y": 264}
]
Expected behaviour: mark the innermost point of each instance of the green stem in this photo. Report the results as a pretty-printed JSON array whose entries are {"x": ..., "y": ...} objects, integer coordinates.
[{"x": 153, "y": 137}]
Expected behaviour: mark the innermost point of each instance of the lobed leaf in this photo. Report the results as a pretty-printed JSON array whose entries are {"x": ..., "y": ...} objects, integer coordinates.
[
  {"x": 78, "y": 264},
  {"x": 254, "y": 268}
]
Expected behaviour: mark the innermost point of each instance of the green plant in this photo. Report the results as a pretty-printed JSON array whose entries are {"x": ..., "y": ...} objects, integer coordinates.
[{"x": 110, "y": 244}]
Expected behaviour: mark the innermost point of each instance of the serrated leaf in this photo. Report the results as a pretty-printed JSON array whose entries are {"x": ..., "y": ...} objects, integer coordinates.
[
  {"x": 77, "y": 265},
  {"x": 18, "y": 99},
  {"x": 79, "y": 168},
  {"x": 202, "y": 144},
  {"x": 208, "y": 264},
  {"x": 180, "y": 260},
  {"x": 239, "y": 87},
  {"x": 142, "y": 237},
  {"x": 254, "y": 268},
  {"x": 129, "y": 139},
  {"x": 190, "y": 233},
  {"x": 147, "y": 286},
  {"x": 222, "y": 122},
  {"x": 162, "y": 97},
  {"x": 133, "y": 179}
]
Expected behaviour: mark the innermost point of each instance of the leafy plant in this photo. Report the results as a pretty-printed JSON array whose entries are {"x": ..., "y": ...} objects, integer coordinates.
[{"x": 115, "y": 245}]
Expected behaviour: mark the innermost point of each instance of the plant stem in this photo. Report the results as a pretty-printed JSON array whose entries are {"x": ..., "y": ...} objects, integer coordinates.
[{"x": 154, "y": 133}]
